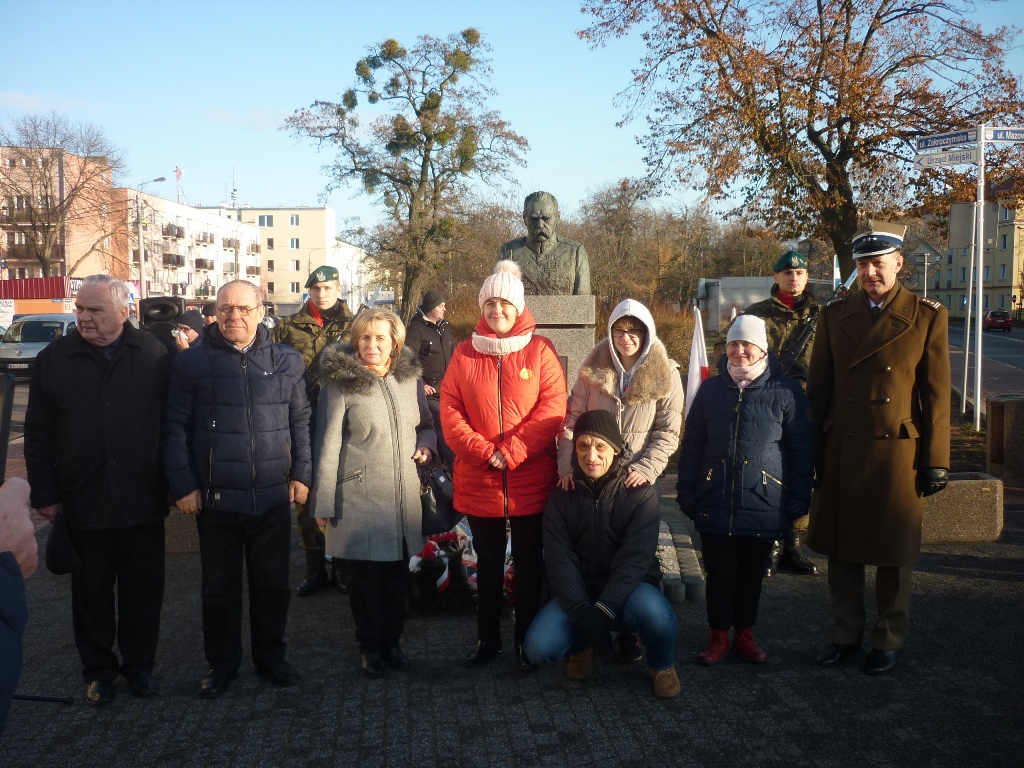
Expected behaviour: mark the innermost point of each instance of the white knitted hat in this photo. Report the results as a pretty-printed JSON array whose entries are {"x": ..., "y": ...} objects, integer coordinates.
[
  {"x": 506, "y": 283},
  {"x": 749, "y": 328}
]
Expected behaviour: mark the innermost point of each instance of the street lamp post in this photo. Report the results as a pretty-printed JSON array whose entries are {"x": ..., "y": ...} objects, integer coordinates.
[{"x": 143, "y": 292}]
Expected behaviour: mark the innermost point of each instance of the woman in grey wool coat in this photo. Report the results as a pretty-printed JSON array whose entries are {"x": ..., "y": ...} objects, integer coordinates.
[{"x": 374, "y": 428}]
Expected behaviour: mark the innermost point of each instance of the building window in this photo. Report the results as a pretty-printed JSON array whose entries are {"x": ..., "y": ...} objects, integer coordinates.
[
  {"x": 963, "y": 251},
  {"x": 270, "y": 265},
  {"x": 293, "y": 220},
  {"x": 917, "y": 278},
  {"x": 293, "y": 265},
  {"x": 270, "y": 287},
  {"x": 986, "y": 273},
  {"x": 949, "y": 301},
  {"x": 270, "y": 243},
  {"x": 294, "y": 287},
  {"x": 949, "y": 257},
  {"x": 293, "y": 243},
  {"x": 986, "y": 301},
  {"x": 1002, "y": 301},
  {"x": 963, "y": 274},
  {"x": 1006, "y": 214},
  {"x": 963, "y": 301},
  {"x": 1003, "y": 242},
  {"x": 1002, "y": 271},
  {"x": 266, "y": 221}
]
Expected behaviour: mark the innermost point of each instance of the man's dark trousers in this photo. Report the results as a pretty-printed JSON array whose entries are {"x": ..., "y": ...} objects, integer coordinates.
[
  {"x": 264, "y": 541},
  {"x": 133, "y": 559}
]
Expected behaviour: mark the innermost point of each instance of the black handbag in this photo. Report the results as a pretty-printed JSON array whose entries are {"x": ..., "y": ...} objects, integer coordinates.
[{"x": 439, "y": 515}]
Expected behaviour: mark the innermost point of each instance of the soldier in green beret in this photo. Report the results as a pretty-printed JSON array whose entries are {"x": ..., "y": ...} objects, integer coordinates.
[
  {"x": 323, "y": 319},
  {"x": 789, "y": 316}
]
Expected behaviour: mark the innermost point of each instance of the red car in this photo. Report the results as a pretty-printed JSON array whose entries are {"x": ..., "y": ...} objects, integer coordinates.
[{"x": 999, "y": 320}]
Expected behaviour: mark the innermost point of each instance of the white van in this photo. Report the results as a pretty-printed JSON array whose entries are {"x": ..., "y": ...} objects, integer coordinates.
[{"x": 27, "y": 335}]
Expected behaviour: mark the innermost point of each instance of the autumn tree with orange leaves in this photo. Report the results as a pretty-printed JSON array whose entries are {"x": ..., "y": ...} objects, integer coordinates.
[{"x": 806, "y": 110}]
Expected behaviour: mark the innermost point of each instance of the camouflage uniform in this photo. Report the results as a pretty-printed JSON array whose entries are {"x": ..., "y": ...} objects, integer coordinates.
[
  {"x": 301, "y": 332},
  {"x": 781, "y": 322}
]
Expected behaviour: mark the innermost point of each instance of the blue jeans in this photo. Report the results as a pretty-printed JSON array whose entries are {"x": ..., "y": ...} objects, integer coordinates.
[{"x": 646, "y": 612}]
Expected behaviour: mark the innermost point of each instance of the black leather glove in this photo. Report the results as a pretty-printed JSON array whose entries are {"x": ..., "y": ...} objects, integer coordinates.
[
  {"x": 932, "y": 479},
  {"x": 687, "y": 505},
  {"x": 591, "y": 627}
]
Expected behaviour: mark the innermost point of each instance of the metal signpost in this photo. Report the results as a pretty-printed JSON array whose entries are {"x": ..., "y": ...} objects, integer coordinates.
[{"x": 956, "y": 154}]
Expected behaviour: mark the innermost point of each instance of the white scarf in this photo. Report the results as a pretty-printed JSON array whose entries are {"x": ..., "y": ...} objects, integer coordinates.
[
  {"x": 744, "y": 374},
  {"x": 492, "y": 345}
]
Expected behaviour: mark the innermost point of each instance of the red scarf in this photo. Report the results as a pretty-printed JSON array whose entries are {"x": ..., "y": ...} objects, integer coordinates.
[
  {"x": 314, "y": 312},
  {"x": 786, "y": 298}
]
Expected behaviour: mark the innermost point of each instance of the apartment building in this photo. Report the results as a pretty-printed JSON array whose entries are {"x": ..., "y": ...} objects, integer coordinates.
[
  {"x": 60, "y": 215},
  {"x": 296, "y": 241},
  {"x": 189, "y": 251},
  {"x": 1002, "y": 263}
]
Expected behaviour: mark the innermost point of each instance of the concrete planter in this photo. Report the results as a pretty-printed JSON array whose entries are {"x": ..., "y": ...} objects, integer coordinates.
[{"x": 969, "y": 509}]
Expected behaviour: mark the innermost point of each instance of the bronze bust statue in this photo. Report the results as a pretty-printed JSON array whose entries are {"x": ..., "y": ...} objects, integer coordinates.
[{"x": 551, "y": 265}]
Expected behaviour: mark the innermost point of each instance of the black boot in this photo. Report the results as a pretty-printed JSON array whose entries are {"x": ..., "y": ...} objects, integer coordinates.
[
  {"x": 771, "y": 562},
  {"x": 316, "y": 573},
  {"x": 339, "y": 575},
  {"x": 792, "y": 558}
]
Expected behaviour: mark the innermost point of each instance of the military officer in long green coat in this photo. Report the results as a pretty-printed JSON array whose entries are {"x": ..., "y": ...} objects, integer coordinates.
[{"x": 879, "y": 387}]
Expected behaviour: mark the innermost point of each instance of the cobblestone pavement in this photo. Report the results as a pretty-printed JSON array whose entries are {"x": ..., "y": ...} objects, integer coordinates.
[{"x": 954, "y": 700}]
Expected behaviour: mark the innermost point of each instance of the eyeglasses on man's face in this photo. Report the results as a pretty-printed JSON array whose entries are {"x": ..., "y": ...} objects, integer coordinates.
[{"x": 230, "y": 309}]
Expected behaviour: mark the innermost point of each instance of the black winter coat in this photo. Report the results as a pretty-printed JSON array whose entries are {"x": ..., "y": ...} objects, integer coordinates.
[
  {"x": 433, "y": 344},
  {"x": 746, "y": 463},
  {"x": 237, "y": 424},
  {"x": 599, "y": 548},
  {"x": 92, "y": 431}
]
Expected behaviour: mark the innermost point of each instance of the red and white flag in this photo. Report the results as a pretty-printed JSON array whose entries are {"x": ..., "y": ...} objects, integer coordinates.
[{"x": 698, "y": 370}]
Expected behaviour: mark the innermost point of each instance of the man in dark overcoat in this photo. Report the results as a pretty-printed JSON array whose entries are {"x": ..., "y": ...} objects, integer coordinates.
[
  {"x": 879, "y": 386},
  {"x": 92, "y": 448}
]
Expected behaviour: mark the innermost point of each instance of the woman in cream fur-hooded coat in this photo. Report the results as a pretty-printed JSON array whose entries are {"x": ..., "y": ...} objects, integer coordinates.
[{"x": 647, "y": 398}]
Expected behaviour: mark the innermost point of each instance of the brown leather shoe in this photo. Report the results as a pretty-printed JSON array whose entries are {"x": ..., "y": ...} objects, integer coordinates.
[
  {"x": 580, "y": 665},
  {"x": 666, "y": 682}
]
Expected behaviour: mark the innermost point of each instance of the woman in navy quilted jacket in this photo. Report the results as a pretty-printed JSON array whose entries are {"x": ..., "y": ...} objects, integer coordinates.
[{"x": 745, "y": 473}]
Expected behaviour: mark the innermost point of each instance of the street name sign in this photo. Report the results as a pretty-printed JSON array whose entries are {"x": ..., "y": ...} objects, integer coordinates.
[
  {"x": 946, "y": 140},
  {"x": 1009, "y": 135},
  {"x": 957, "y": 157},
  {"x": 922, "y": 259}
]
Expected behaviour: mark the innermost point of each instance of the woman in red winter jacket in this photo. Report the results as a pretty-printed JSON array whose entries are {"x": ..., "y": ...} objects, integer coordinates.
[{"x": 503, "y": 399}]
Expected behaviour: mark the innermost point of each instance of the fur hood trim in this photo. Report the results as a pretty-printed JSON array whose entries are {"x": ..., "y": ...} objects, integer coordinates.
[
  {"x": 652, "y": 379},
  {"x": 337, "y": 363}
]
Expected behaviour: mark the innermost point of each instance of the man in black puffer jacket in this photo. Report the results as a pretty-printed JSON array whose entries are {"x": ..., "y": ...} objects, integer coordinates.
[
  {"x": 600, "y": 550},
  {"x": 237, "y": 452}
]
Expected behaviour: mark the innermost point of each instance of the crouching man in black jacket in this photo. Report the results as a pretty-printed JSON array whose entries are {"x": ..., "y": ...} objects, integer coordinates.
[{"x": 600, "y": 549}]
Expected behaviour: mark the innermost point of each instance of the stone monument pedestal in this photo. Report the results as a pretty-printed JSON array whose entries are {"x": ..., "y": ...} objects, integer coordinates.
[{"x": 569, "y": 322}]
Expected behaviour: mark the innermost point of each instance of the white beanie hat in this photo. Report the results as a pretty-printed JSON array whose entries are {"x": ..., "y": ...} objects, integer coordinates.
[
  {"x": 506, "y": 283},
  {"x": 749, "y": 328}
]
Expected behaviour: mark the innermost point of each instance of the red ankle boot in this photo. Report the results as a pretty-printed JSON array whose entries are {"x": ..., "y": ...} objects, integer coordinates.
[
  {"x": 717, "y": 647},
  {"x": 745, "y": 646}
]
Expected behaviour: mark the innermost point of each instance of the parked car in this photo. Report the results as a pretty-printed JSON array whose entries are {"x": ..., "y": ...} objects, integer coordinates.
[
  {"x": 27, "y": 335},
  {"x": 998, "y": 320}
]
